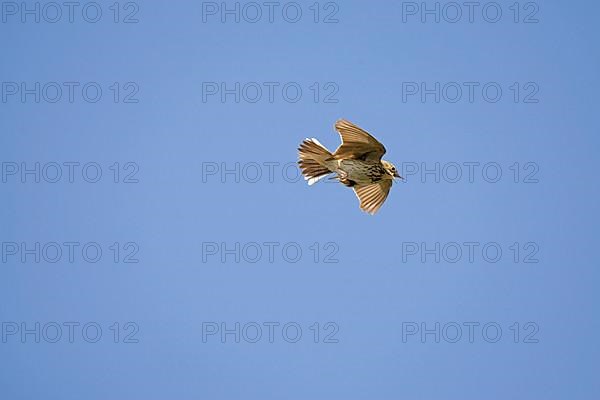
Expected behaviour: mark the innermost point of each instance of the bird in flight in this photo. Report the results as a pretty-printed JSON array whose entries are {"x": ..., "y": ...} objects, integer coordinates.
[{"x": 357, "y": 164}]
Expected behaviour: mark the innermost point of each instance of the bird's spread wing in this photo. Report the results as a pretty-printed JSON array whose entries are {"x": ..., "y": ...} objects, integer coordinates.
[
  {"x": 357, "y": 144},
  {"x": 373, "y": 195}
]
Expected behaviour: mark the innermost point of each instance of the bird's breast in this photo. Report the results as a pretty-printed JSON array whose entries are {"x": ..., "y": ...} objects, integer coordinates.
[{"x": 361, "y": 172}]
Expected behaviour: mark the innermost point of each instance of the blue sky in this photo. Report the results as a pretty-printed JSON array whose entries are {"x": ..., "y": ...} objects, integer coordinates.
[{"x": 173, "y": 181}]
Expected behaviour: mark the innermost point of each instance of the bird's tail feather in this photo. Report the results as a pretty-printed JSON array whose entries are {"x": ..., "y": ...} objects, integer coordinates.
[{"x": 313, "y": 156}]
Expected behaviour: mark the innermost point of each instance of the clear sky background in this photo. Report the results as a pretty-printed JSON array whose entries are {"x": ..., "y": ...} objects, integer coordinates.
[{"x": 384, "y": 285}]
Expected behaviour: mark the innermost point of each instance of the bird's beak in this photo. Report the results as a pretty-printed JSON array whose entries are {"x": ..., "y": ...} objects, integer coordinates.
[{"x": 397, "y": 175}]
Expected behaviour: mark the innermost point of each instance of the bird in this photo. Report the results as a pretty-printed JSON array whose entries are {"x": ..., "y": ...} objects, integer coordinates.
[{"x": 356, "y": 162}]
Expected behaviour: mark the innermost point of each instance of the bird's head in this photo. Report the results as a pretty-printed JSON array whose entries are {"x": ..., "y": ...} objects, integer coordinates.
[{"x": 391, "y": 169}]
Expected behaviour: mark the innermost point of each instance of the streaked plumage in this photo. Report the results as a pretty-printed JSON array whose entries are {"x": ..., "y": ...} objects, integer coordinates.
[{"x": 357, "y": 164}]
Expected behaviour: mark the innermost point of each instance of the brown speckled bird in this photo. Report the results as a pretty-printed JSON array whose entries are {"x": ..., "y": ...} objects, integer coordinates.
[{"x": 357, "y": 163}]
